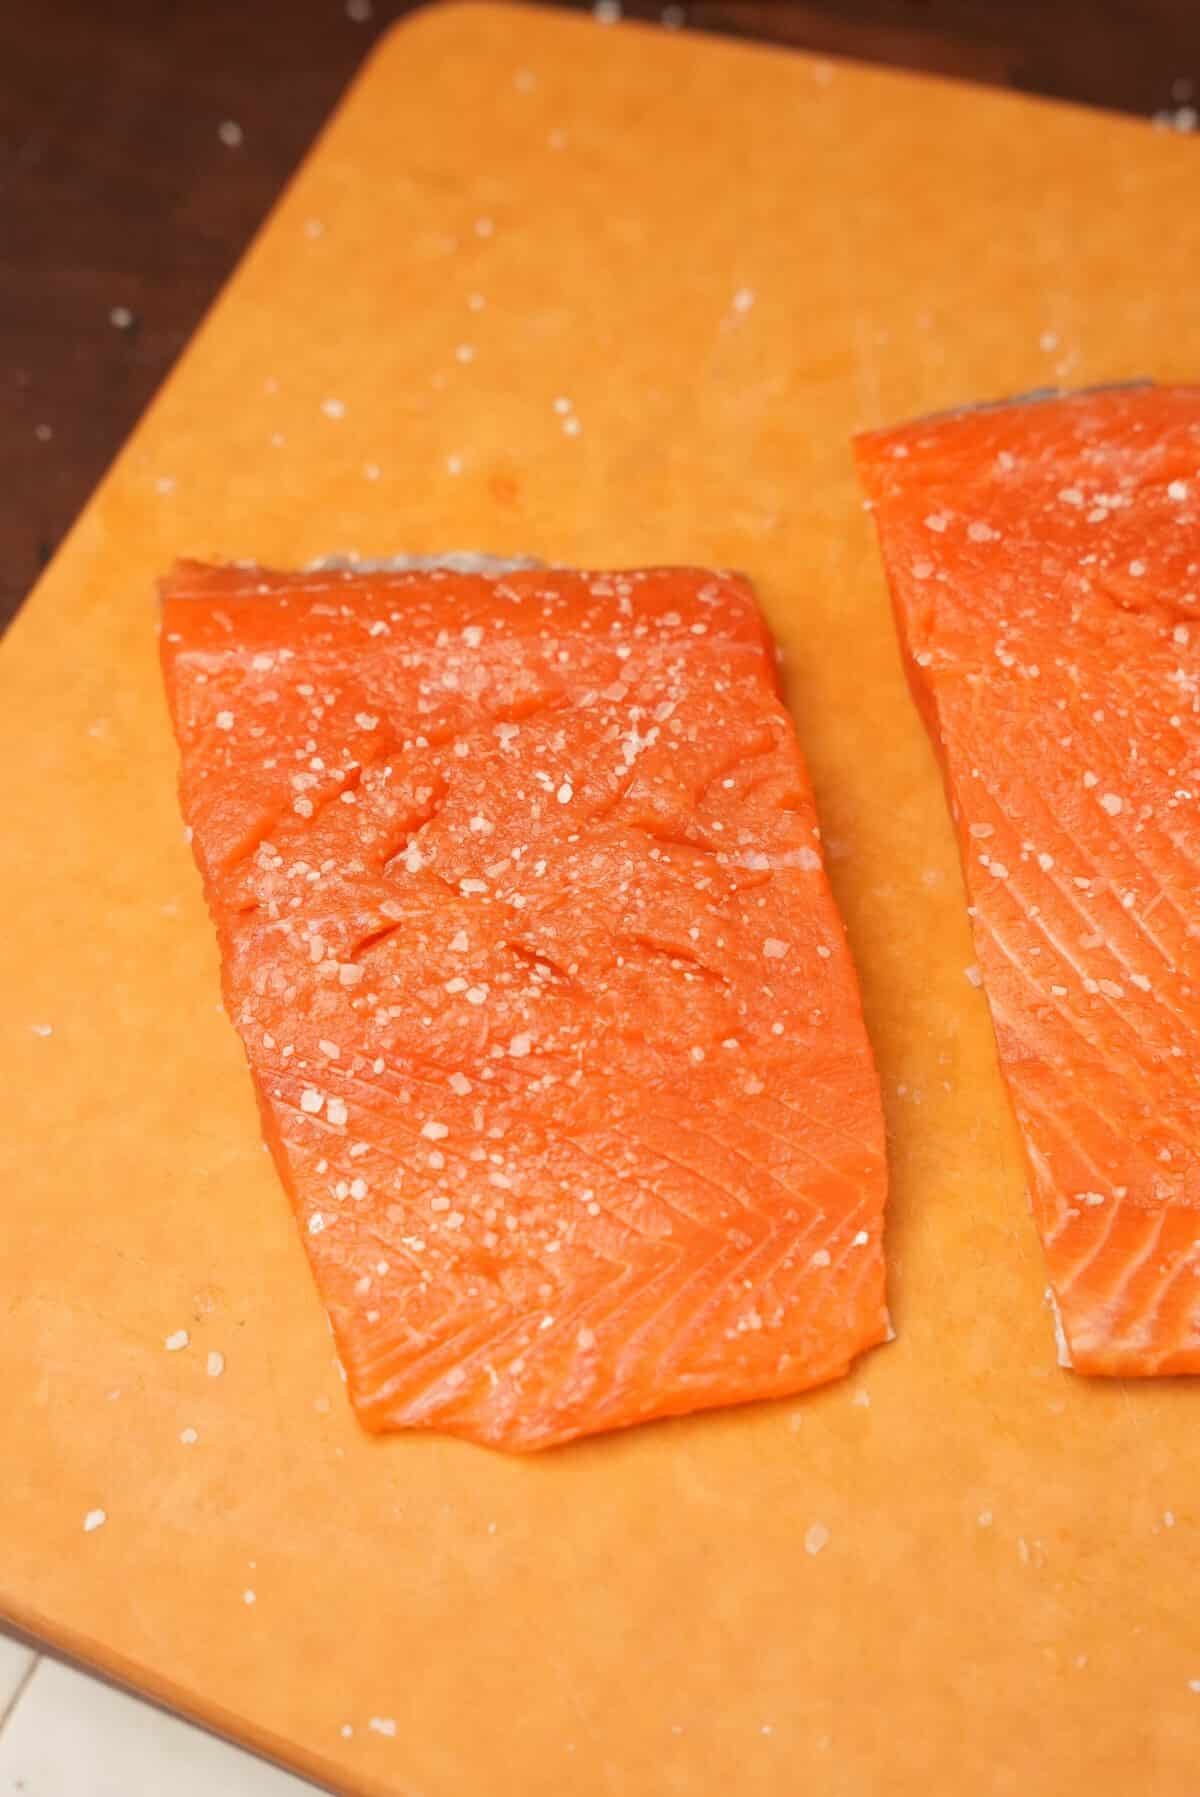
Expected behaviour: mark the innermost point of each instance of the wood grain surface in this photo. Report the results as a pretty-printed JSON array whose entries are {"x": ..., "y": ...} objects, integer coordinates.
[{"x": 118, "y": 190}]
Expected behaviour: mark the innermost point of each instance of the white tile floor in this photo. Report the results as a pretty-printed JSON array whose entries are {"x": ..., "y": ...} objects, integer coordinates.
[{"x": 64, "y": 1734}]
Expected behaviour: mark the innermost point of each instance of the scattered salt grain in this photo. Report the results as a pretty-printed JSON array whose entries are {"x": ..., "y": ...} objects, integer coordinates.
[
  {"x": 121, "y": 318},
  {"x": 95, "y": 1519},
  {"x": 42, "y": 1029},
  {"x": 371, "y": 470},
  {"x": 774, "y": 949},
  {"x": 311, "y": 1101},
  {"x": 336, "y": 1112},
  {"x": 358, "y": 11},
  {"x": 333, "y": 408},
  {"x": 973, "y": 974},
  {"x": 249, "y": 1597},
  {"x": 520, "y": 1046},
  {"x": 743, "y": 299},
  {"x": 188, "y": 1437},
  {"x": 383, "y": 1725},
  {"x": 214, "y": 1366},
  {"x": 178, "y": 1340},
  {"x": 434, "y": 1131},
  {"x": 231, "y": 134},
  {"x": 454, "y": 464},
  {"x": 1048, "y": 342},
  {"x": 1112, "y": 803},
  {"x": 607, "y": 12},
  {"x": 816, "y": 1537}
]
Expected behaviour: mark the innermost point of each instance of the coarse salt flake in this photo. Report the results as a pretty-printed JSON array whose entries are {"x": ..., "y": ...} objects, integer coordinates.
[{"x": 174, "y": 1342}]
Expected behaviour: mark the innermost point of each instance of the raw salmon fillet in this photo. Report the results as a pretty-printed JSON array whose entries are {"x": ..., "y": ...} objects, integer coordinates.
[
  {"x": 1044, "y": 561},
  {"x": 552, "y": 1020}
]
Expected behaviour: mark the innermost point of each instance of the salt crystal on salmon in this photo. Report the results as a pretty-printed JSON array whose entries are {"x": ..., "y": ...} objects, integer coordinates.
[
  {"x": 1044, "y": 562},
  {"x": 555, "y": 1032}
]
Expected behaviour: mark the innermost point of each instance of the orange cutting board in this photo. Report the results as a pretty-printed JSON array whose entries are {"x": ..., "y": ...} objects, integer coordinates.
[{"x": 727, "y": 260}]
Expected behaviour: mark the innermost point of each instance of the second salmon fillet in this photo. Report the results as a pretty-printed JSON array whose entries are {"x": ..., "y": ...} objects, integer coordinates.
[
  {"x": 1044, "y": 560},
  {"x": 555, "y": 1033}
]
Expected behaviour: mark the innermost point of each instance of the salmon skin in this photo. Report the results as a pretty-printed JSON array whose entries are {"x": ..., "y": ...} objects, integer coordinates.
[
  {"x": 1044, "y": 563},
  {"x": 553, "y": 1025}
]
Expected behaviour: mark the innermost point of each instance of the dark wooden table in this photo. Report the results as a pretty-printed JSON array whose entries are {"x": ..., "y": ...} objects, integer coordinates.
[{"x": 142, "y": 142}]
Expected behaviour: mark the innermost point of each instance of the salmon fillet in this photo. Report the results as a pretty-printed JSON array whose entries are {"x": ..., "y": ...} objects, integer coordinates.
[
  {"x": 1044, "y": 562},
  {"x": 554, "y": 1029}
]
